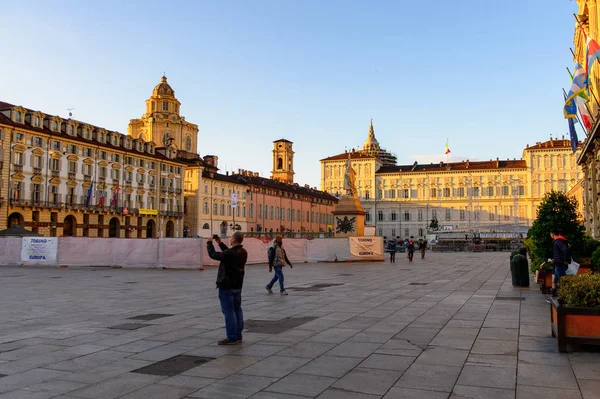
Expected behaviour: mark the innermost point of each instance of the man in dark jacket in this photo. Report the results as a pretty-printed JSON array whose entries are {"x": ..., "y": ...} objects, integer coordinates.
[
  {"x": 230, "y": 279},
  {"x": 277, "y": 260},
  {"x": 560, "y": 258}
]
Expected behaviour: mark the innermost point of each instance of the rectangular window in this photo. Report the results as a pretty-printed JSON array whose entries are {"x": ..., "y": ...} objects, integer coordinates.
[
  {"x": 433, "y": 193},
  {"x": 56, "y": 145},
  {"x": 406, "y": 193},
  {"x": 420, "y": 214},
  {"x": 393, "y": 216},
  {"x": 298, "y": 216},
  {"x": 37, "y": 141},
  {"x": 55, "y": 165},
  {"x": 446, "y": 192},
  {"x": 368, "y": 217},
  {"x": 380, "y": 216},
  {"x": 461, "y": 191},
  {"x": 406, "y": 232},
  {"x": 37, "y": 161},
  {"x": 490, "y": 191},
  {"x": 165, "y": 106},
  {"x": 406, "y": 216},
  {"x": 521, "y": 190},
  {"x": 462, "y": 214},
  {"x": 36, "y": 192},
  {"x": 505, "y": 190},
  {"x": 260, "y": 211},
  {"x": 102, "y": 172},
  {"x": 215, "y": 209},
  {"x": 420, "y": 232},
  {"x": 434, "y": 213},
  {"x": 102, "y": 155},
  {"x": 72, "y": 167},
  {"x": 18, "y": 156},
  {"x": 475, "y": 191},
  {"x": 205, "y": 207},
  {"x": 367, "y": 194},
  {"x": 72, "y": 149},
  {"x": 448, "y": 214},
  {"x": 251, "y": 210}
]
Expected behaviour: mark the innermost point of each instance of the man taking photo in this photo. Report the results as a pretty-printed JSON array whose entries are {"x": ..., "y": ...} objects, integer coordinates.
[{"x": 230, "y": 279}]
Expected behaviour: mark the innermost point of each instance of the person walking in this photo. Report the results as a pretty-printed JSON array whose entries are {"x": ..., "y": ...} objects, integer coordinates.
[
  {"x": 411, "y": 249},
  {"x": 230, "y": 279},
  {"x": 392, "y": 248},
  {"x": 277, "y": 260},
  {"x": 422, "y": 247},
  {"x": 560, "y": 258},
  {"x": 406, "y": 247}
]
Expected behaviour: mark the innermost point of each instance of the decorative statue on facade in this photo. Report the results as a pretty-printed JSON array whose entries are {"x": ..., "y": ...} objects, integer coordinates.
[{"x": 350, "y": 179}]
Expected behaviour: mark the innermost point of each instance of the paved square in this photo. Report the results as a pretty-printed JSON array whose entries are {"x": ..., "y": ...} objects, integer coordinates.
[{"x": 449, "y": 326}]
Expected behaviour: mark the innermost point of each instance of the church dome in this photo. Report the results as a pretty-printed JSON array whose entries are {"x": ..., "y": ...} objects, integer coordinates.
[{"x": 163, "y": 89}]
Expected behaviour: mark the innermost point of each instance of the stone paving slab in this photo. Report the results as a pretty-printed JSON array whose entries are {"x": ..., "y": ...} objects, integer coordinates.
[{"x": 449, "y": 326}]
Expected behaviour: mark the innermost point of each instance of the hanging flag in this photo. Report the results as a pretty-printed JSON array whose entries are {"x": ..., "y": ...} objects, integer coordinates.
[
  {"x": 113, "y": 201},
  {"x": 592, "y": 50},
  {"x": 447, "y": 148},
  {"x": 89, "y": 195},
  {"x": 573, "y": 134},
  {"x": 101, "y": 200},
  {"x": 582, "y": 99},
  {"x": 577, "y": 88}
]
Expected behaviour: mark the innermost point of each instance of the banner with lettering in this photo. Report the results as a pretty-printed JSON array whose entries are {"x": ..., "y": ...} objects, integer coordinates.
[
  {"x": 366, "y": 248},
  {"x": 39, "y": 251}
]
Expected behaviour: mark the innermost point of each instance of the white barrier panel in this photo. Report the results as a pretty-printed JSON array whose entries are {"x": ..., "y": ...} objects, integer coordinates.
[
  {"x": 184, "y": 253},
  {"x": 366, "y": 248},
  {"x": 39, "y": 251},
  {"x": 257, "y": 251},
  {"x": 295, "y": 249},
  {"x": 328, "y": 250},
  {"x": 10, "y": 251},
  {"x": 133, "y": 252}
]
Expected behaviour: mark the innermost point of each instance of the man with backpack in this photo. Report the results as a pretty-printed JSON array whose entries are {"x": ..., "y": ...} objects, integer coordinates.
[
  {"x": 561, "y": 257},
  {"x": 277, "y": 260}
]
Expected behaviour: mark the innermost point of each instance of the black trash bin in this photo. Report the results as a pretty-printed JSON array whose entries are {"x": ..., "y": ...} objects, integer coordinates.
[{"x": 519, "y": 269}]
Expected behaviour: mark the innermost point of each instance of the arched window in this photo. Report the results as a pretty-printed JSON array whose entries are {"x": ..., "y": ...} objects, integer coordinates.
[
  {"x": 206, "y": 226},
  {"x": 166, "y": 138},
  {"x": 165, "y": 106},
  {"x": 188, "y": 144},
  {"x": 279, "y": 163},
  {"x": 37, "y": 121}
]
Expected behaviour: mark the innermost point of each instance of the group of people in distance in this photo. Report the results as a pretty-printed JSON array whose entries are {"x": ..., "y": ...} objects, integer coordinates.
[{"x": 392, "y": 246}]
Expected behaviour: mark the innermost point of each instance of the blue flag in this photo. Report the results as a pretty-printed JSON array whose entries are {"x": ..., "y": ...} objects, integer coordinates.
[
  {"x": 89, "y": 196},
  {"x": 573, "y": 134}
]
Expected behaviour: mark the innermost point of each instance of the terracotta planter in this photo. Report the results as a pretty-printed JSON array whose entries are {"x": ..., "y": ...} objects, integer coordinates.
[
  {"x": 574, "y": 325},
  {"x": 584, "y": 270}
]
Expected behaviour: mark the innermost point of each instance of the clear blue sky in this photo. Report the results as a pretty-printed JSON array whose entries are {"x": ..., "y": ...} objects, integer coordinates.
[{"x": 487, "y": 75}]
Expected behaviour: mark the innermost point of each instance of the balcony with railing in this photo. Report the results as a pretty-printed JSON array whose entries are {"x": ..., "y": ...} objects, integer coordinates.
[
  {"x": 55, "y": 173},
  {"x": 87, "y": 178},
  {"x": 72, "y": 175},
  {"x": 18, "y": 168}
]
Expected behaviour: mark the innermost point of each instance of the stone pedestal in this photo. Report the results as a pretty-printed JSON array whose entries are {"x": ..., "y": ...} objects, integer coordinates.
[{"x": 349, "y": 218}]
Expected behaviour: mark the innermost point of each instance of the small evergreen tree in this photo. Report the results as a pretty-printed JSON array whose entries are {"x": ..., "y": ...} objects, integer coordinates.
[{"x": 556, "y": 211}]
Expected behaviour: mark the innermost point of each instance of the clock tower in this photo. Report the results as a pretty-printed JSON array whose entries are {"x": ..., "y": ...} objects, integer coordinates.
[{"x": 283, "y": 161}]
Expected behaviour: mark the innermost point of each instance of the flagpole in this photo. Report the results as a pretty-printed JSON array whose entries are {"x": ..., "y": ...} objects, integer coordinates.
[{"x": 576, "y": 116}]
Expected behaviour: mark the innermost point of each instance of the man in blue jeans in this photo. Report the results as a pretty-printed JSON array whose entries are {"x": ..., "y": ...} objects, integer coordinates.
[
  {"x": 230, "y": 279},
  {"x": 277, "y": 260},
  {"x": 560, "y": 258}
]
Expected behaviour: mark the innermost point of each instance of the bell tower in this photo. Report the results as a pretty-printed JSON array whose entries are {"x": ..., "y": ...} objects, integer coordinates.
[{"x": 283, "y": 161}]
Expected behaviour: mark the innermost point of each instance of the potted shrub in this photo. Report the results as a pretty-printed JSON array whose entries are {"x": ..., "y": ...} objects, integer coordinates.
[
  {"x": 575, "y": 314},
  {"x": 557, "y": 210}
]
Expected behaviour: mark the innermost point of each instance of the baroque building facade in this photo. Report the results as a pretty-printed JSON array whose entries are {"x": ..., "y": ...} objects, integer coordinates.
[
  {"x": 498, "y": 195},
  {"x": 64, "y": 177},
  {"x": 589, "y": 156}
]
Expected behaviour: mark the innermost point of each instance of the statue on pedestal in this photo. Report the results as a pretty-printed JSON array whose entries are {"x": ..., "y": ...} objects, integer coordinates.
[{"x": 350, "y": 179}]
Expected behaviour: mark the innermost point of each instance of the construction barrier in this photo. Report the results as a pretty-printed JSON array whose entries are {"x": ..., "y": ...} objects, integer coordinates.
[{"x": 186, "y": 253}]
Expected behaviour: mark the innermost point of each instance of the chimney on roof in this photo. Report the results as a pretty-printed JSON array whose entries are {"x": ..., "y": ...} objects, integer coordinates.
[
  {"x": 497, "y": 162},
  {"x": 441, "y": 164},
  {"x": 227, "y": 173},
  {"x": 527, "y": 146},
  {"x": 467, "y": 164},
  {"x": 563, "y": 136}
]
